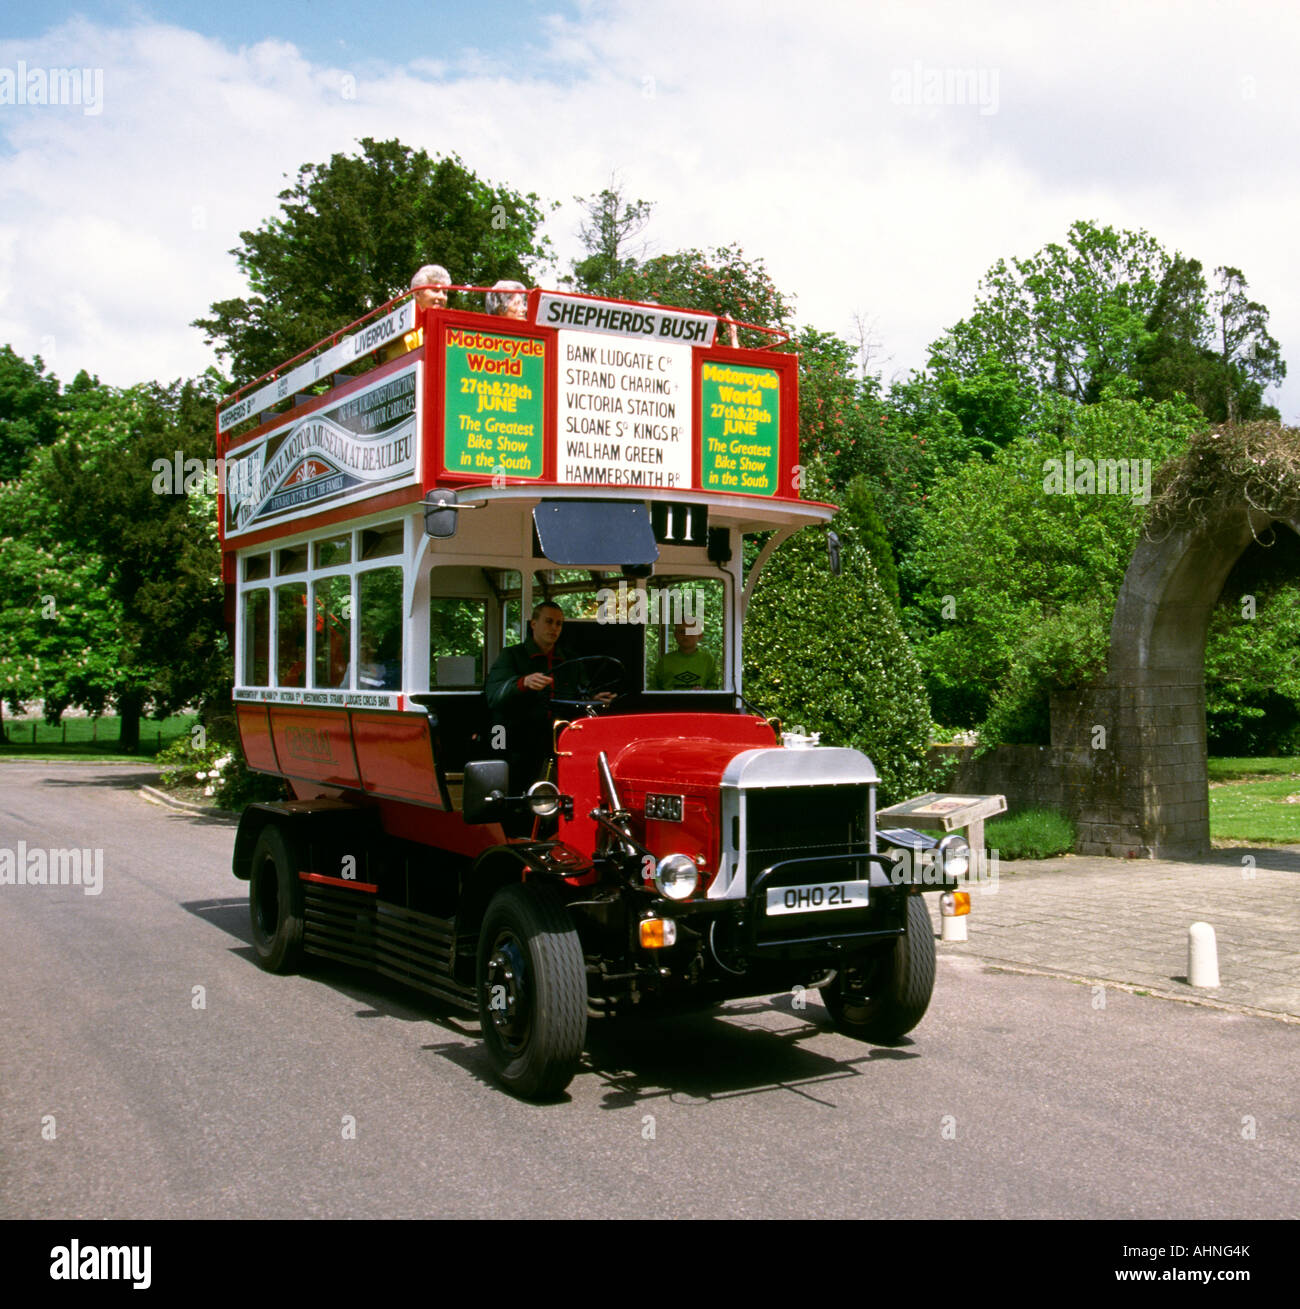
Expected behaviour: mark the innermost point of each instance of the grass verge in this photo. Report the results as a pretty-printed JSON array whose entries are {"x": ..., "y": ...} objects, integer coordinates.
[
  {"x": 1255, "y": 801},
  {"x": 1033, "y": 834}
]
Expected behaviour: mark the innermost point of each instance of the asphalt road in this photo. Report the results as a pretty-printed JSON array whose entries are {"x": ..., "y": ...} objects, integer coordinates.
[{"x": 338, "y": 1094}]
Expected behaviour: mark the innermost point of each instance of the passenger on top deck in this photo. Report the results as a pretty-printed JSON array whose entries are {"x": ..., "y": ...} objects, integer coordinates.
[
  {"x": 430, "y": 286},
  {"x": 505, "y": 305}
]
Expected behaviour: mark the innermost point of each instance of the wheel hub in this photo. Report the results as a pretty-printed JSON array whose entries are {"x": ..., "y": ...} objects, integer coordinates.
[{"x": 508, "y": 1001}]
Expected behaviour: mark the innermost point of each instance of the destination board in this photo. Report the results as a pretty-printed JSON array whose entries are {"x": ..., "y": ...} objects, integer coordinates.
[{"x": 622, "y": 411}]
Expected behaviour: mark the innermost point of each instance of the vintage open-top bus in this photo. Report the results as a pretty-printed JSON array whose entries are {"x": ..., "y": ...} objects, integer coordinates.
[{"x": 610, "y": 822}]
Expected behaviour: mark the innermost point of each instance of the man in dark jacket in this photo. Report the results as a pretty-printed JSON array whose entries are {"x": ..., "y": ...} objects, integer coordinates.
[{"x": 519, "y": 696}]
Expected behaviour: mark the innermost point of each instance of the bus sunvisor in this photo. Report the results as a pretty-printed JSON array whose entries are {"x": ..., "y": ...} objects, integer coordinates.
[{"x": 596, "y": 533}]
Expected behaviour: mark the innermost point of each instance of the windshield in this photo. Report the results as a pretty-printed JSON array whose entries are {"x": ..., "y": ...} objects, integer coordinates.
[{"x": 669, "y": 632}]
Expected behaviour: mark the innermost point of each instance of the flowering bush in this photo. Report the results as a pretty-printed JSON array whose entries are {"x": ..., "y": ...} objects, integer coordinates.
[{"x": 216, "y": 769}]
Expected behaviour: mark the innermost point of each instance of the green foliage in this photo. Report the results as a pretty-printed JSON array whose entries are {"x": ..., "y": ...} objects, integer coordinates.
[
  {"x": 216, "y": 771},
  {"x": 720, "y": 281},
  {"x": 1015, "y": 586},
  {"x": 59, "y": 626},
  {"x": 29, "y": 410},
  {"x": 1033, "y": 834},
  {"x": 1252, "y": 655},
  {"x": 827, "y": 653},
  {"x": 350, "y": 234},
  {"x": 992, "y": 405},
  {"x": 133, "y": 574},
  {"x": 860, "y": 521},
  {"x": 1110, "y": 304},
  {"x": 611, "y": 222}
]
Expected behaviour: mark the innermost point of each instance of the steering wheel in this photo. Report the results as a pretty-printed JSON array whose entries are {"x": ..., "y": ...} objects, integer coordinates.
[{"x": 577, "y": 682}]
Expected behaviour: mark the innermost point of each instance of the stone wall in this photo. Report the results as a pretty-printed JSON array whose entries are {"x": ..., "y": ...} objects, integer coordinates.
[{"x": 1123, "y": 766}]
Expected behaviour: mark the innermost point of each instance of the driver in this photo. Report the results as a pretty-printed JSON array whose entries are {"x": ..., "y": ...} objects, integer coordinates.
[
  {"x": 519, "y": 695},
  {"x": 519, "y": 689}
]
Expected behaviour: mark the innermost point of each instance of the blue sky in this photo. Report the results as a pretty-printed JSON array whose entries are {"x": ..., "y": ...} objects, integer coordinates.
[
  {"x": 803, "y": 133},
  {"x": 328, "y": 31}
]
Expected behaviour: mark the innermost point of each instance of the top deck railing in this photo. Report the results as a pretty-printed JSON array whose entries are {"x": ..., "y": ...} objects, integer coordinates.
[{"x": 388, "y": 323}]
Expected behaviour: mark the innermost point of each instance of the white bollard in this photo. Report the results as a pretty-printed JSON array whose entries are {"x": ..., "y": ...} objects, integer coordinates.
[
  {"x": 1202, "y": 956},
  {"x": 952, "y": 925}
]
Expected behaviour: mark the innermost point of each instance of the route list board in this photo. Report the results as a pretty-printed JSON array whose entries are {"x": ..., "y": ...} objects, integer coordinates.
[
  {"x": 492, "y": 420},
  {"x": 623, "y": 411},
  {"x": 740, "y": 429}
]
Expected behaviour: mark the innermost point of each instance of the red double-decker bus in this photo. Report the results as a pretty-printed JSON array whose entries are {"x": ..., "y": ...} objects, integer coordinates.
[{"x": 488, "y": 603}]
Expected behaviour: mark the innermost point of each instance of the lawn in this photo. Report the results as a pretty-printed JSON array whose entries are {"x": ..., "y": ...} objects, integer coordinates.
[
  {"x": 86, "y": 738},
  {"x": 1255, "y": 801}
]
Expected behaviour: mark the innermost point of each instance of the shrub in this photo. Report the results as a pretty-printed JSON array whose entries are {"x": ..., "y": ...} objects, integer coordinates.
[{"x": 218, "y": 770}]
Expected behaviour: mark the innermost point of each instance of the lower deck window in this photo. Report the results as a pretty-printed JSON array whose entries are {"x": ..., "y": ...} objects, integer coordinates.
[{"x": 379, "y": 602}]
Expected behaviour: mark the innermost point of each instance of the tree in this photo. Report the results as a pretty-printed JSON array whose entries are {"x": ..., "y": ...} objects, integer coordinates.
[
  {"x": 1069, "y": 318},
  {"x": 119, "y": 594},
  {"x": 1076, "y": 318},
  {"x": 720, "y": 281},
  {"x": 1249, "y": 359},
  {"x": 1017, "y": 582},
  {"x": 350, "y": 233},
  {"x": 1252, "y": 653},
  {"x": 611, "y": 222},
  {"x": 29, "y": 410}
]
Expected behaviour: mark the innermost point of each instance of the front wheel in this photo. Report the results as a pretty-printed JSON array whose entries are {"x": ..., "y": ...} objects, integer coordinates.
[
  {"x": 883, "y": 1000},
  {"x": 275, "y": 903},
  {"x": 532, "y": 991}
]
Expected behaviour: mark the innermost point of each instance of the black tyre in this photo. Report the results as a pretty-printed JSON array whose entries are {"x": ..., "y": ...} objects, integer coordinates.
[
  {"x": 275, "y": 903},
  {"x": 532, "y": 991},
  {"x": 886, "y": 998}
]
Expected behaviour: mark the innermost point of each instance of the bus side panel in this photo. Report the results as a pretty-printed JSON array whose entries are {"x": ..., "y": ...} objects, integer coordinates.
[
  {"x": 314, "y": 744},
  {"x": 442, "y": 831},
  {"x": 395, "y": 757},
  {"x": 254, "y": 727}
]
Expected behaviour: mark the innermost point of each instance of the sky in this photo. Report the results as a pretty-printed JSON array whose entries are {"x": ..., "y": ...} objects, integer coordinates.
[{"x": 878, "y": 156}]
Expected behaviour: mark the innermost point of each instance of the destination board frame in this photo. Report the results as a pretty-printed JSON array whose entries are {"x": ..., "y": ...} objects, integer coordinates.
[{"x": 442, "y": 471}]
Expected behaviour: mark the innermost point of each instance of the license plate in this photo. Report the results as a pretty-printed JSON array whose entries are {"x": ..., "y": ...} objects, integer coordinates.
[{"x": 813, "y": 899}]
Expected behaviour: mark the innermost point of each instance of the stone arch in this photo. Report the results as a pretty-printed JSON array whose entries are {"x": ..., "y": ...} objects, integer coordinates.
[{"x": 1148, "y": 792}]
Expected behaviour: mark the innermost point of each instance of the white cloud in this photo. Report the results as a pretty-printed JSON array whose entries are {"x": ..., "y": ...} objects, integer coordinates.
[{"x": 774, "y": 126}]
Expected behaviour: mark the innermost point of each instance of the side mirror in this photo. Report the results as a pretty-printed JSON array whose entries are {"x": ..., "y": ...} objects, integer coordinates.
[
  {"x": 486, "y": 783},
  {"x": 833, "y": 550},
  {"x": 440, "y": 513}
]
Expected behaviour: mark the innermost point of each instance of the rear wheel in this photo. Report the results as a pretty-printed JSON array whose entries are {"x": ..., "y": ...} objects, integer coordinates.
[
  {"x": 885, "y": 998},
  {"x": 532, "y": 991},
  {"x": 275, "y": 903}
]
